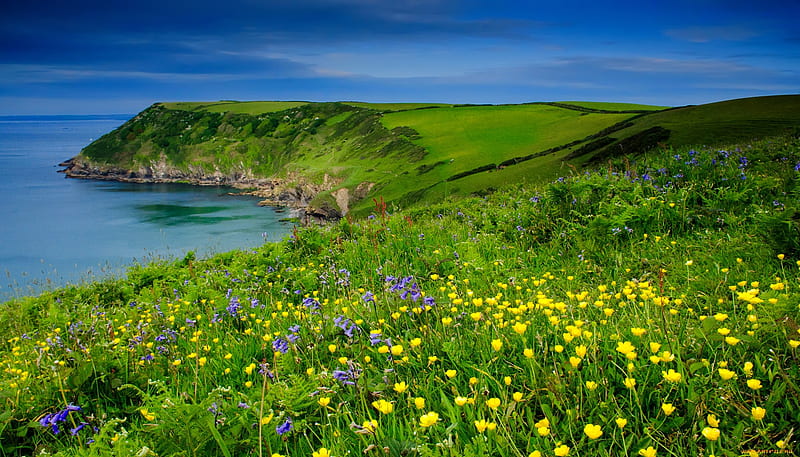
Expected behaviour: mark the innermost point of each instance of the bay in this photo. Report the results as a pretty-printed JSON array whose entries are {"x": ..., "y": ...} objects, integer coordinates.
[{"x": 56, "y": 231}]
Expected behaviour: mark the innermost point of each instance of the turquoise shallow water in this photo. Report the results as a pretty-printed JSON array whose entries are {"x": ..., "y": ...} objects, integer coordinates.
[{"x": 55, "y": 230}]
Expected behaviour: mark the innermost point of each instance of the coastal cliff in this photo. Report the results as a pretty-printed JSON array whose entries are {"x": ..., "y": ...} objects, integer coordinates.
[{"x": 309, "y": 158}]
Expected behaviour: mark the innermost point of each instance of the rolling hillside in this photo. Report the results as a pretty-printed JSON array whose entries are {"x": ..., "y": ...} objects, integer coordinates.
[{"x": 334, "y": 158}]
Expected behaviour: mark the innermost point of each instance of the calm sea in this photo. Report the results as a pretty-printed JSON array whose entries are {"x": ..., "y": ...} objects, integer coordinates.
[{"x": 55, "y": 231}]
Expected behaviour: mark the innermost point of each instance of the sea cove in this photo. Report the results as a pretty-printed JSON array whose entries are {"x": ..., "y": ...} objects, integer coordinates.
[{"x": 57, "y": 231}]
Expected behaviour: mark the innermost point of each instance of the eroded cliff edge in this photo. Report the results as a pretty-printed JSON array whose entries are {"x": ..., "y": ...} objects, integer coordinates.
[{"x": 317, "y": 159}]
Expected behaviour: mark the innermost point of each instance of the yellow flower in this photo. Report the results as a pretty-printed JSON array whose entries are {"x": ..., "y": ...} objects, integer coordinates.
[
  {"x": 542, "y": 423},
  {"x": 712, "y": 420},
  {"x": 415, "y": 342},
  {"x": 574, "y": 361},
  {"x": 400, "y": 387},
  {"x": 429, "y": 419},
  {"x": 528, "y": 353},
  {"x": 638, "y": 331},
  {"x": 591, "y": 385},
  {"x": 482, "y": 425},
  {"x": 726, "y": 374},
  {"x": 748, "y": 368},
  {"x": 419, "y": 402},
  {"x": 758, "y": 412},
  {"x": 147, "y": 414},
  {"x": 561, "y": 451},
  {"x": 667, "y": 408},
  {"x": 592, "y": 431},
  {"x": 654, "y": 347},
  {"x": 517, "y": 396},
  {"x": 493, "y": 403},
  {"x": 649, "y": 452},
  {"x": 580, "y": 351},
  {"x": 324, "y": 401},
  {"x": 671, "y": 375},
  {"x": 711, "y": 433},
  {"x": 450, "y": 373},
  {"x": 249, "y": 369},
  {"x": 535, "y": 454},
  {"x": 461, "y": 401},
  {"x": 630, "y": 383},
  {"x": 558, "y": 348},
  {"x": 520, "y": 328},
  {"x": 625, "y": 347},
  {"x": 383, "y": 406},
  {"x": 543, "y": 431},
  {"x": 267, "y": 419},
  {"x": 322, "y": 452},
  {"x": 370, "y": 425},
  {"x": 497, "y": 344},
  {"x": 621, "y": 422},
  {"x": 397, "y": 349},
  {"x": 754, "y": 384}
]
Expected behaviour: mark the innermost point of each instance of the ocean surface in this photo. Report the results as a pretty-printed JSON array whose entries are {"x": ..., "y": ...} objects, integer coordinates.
[{"x": 56, "y": 231}]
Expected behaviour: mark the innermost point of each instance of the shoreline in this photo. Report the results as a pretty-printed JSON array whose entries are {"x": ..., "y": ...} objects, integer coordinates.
[{"x": 295, "y": 195}]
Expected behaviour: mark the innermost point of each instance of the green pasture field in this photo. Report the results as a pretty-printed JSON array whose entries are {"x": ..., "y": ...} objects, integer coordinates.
[{"x": 612, "y": 106}]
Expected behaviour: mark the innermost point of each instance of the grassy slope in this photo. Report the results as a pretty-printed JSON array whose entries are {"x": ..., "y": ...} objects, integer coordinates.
[
  {"x": 470, "y": 137},
  {"x": 728, "y": 121},
  {"x": 612, "y": 106},
  {"x": 255, "y": 107},
  {"x": 347, "y": 141},
  {"x": 538, "y": 290}
]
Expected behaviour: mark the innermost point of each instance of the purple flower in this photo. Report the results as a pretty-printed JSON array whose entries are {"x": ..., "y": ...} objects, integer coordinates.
[
  {"x": 368, "y": 297},
  {"x": 280, "y": 345},
  {"x": 345, "y": 377},
  {"x": 285, "y": 427},
  {"x": 243, "y": 405}
]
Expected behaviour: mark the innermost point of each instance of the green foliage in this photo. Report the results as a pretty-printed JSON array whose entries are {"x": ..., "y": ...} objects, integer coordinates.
[{"x": 666, "y": 268}]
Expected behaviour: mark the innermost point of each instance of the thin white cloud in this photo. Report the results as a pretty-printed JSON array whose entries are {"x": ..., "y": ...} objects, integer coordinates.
[{"x": 705, "y": 34}]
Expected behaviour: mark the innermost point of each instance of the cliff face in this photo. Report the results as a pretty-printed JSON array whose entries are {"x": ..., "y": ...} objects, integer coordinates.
[{"x": 279, "y": 156}]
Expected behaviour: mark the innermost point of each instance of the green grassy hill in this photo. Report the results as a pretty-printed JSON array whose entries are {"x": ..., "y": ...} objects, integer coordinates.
[
  {"x": 648, "y": 307},
  {"x": 346, "y": 154}
]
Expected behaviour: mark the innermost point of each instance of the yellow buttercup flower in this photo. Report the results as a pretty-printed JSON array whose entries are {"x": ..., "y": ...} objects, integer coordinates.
[
  {"x": 649, "y": 452},
  {"x": 591, "y": 385},
  {"x": 668, "y": 408},
  {"x": 324, "y": 401},
  {"x": 712, "y": 420},
  {"x": 383, "y": 406},
  {"x": 322, "y": 452},
  {"x": 630, "y": 383},
  {"x": 711, "y": 433},
  {"x": 758, "y": 412},
  {"x": 671, "y": 375},
  {"x": 754, "y": 384},
  {"x": 419, "y": 402},
  {"x": 497, "y": 344},
  {"x": 621, "y": 422},
  {"x": 726, "y": 374},
  {"x": 561, "y": 451},
  {"x": 400, "y": 387},
  {"x": 428, "y": 419},
  {"x": 517, "y": 396},
  {"x": 482, "y": 425},
  {"x": 493, "y": 403},
  {"x": 147, "y": 414},
  {"x": 593, "y": 431},
  {"x": 461, "y": 401}
]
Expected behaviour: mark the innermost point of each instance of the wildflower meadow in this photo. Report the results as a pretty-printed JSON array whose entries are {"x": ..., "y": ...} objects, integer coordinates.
[{"x": 647, "y": 306}]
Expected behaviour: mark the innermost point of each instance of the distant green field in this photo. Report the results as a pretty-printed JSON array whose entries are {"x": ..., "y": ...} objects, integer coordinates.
[
  {"x": 617, "y": 106},
  {"x": 234, "y": 106},
  {"x": 396, "y": 106}
]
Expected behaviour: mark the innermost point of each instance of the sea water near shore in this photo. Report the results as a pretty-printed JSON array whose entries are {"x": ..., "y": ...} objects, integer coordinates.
[{"x": 55, "y": 231}]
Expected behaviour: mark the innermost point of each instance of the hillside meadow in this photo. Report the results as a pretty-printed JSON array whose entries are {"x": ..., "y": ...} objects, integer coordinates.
[{"x": 647, "y": 306}]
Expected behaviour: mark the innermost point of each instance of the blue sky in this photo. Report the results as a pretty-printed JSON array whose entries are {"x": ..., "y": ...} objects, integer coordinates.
[{"x": 91, "y": 56}]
